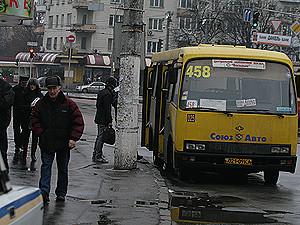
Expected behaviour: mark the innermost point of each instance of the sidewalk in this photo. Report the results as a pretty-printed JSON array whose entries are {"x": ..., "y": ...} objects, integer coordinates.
[{"x": 98, "y": 194}]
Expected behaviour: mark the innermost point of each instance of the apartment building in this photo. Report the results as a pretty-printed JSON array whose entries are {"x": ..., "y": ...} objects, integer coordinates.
[{"x": 92, "y": 23}]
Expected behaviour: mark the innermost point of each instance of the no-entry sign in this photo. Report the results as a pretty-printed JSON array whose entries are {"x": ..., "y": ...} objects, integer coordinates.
[{"x": 71, "y": 38}]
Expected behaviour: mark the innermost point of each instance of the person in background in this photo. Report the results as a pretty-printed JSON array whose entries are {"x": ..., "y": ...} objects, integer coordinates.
[
  {"x": 18, "y": 116},
  {"x": 31, "y": 93},
  {"x": 103, "y": 117},
  {"x": 6, "y": 101},
  {"x": 58, "y": 122}
]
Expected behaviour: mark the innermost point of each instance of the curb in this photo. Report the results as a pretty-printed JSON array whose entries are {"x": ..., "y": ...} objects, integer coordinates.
[{"x": 163, "y": 192}]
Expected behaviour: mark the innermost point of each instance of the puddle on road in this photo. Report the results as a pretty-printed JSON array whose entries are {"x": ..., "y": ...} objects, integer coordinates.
[{"x": 200, "y": 207}]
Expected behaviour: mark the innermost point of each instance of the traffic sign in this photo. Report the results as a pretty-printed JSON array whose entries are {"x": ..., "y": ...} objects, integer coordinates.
[
  {"x": 33, "y": 44},
  {"x": 296, "y": 27},
  {"x": 71, "y": 38},
  {"x": 247, "y": 15},
  {"x": 276, "y": 24}
]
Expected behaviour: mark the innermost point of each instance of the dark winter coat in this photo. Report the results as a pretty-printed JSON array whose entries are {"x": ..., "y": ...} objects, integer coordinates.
[
  {"x": 17, "y": 110},
  {"x": 26, "y": 99},
  {"x": 56, "y": 122},
  {"x": 6, "y": 101},
  {"x": 104, "y": 103}
]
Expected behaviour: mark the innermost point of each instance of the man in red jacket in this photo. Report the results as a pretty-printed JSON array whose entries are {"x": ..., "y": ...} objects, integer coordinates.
[{"x": 58, "y": 122}]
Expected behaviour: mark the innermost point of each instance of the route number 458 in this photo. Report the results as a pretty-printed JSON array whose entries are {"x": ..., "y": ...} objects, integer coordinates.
[{"x": 198, "y": 71}]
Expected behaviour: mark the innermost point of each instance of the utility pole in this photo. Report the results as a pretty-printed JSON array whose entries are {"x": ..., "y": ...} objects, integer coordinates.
[
  {"x": 128, "y": 98},
  {"x": 169, "y": 14}
]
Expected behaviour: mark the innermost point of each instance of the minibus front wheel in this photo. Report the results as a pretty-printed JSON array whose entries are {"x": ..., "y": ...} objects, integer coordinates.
[
  {"x": 271, "y": 177},
  {"x": 184, "y": 173}
]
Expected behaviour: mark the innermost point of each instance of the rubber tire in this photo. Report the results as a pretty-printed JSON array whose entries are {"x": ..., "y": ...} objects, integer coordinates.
[
  {"x": 184, "y": 173},
  {"x": 271, "y": 177},
  {"x": 84, "y": 90}
]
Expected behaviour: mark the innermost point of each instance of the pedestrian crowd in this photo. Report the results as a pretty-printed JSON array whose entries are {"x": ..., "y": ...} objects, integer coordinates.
[{"x": 54, "y": 122}]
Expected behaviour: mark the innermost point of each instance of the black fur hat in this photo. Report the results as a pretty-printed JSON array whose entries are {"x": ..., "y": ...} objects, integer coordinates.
[{"x": 53, "y": 81}]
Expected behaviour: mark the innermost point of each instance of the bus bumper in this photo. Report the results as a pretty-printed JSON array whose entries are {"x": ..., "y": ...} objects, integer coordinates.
[{"x": 215, "y": 162}]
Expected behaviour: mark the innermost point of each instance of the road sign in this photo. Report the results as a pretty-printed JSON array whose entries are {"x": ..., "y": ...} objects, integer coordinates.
[
  {"x": 296, "y": 27},
  {"x": 33, "y": 44},
  {"x": 71, "y": 38},
  {"x": 247, "y": 15},
  {"x": 276, "y": 24},
  {"x": 272, "y": 39}
]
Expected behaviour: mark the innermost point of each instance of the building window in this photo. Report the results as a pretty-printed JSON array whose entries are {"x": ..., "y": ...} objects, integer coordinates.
[
  {"x": 115, "y": 18},
  {"x": 62, "y": 19},
  {"x": 84, "y": 19},
  {"x": 110, "y": 42},
  {"x": 186, "y": 23},
  {"x": 117, "y": 1},
  {"x": 50, "y": 22},
  {"x": 153, "y": 47},
  {"x": 83, "y": 43},
  {"x": 55, "y": 43},
  {"x": 155, "y": 24},
  {"x": 157, "y": 3},
  {"x": 185, "y": 4},
  {"x": 48, "y": 44},
  {"x": 69, "y": 19},
  {"x": 56, "y": 25}
]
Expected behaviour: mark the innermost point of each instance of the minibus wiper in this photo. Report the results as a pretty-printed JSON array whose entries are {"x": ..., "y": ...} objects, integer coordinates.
[
  {"x": 249, "y": 110},
  {"x": 209, "y": 108}
]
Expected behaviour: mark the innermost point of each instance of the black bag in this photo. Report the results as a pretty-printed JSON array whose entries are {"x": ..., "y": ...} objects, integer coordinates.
[{"x": 109, "y": 136}]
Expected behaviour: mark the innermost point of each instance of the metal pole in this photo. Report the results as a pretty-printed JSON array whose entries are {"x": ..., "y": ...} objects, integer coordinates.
[
  {"x": 128, "y": 98},
  {"x": 30, "y": 67},
  {"x": 70, "y": 55}
]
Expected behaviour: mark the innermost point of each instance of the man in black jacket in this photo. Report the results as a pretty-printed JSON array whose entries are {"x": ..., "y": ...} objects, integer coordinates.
[
  {"x": 6, "y": 101},
  {"x": 18, "y": 116},
  {"x": 58, "y": 122},
  {"x": 103, "y": 117}
]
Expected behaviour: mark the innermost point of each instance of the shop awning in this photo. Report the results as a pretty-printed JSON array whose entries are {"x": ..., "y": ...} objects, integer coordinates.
[
  {"x": 39, "y": 58},
  {"x": 98, "y": 61}
]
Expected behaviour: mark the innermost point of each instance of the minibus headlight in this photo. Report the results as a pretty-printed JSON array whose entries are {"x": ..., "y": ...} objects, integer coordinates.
[
  {"x": 193, "y": 146},
  {"x": 190, "y": 146},
  {"x": 280, "y": 150},
  {"x": 200, "y": 147}
]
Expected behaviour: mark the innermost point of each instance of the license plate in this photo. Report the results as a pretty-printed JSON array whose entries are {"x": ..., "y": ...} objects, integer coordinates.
[{"x": 238, "y": 161}]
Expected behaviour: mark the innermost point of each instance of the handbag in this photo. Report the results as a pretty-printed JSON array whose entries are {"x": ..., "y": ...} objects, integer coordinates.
[{"x": 109, "y": 136}]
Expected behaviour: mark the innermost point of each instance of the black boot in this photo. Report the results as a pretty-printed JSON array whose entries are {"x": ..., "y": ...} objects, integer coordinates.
[
  {"x": 16, "y": 156},
  {"x": 32, "y": 165},
  {"x": 33, "y": 157}
]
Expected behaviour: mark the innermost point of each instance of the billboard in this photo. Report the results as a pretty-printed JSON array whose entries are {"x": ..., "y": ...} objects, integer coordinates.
[{"x": 23, "y": 9}]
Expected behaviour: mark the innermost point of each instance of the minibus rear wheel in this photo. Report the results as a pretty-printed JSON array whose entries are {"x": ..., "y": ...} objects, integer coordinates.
[{"x": 271, "y": 177}]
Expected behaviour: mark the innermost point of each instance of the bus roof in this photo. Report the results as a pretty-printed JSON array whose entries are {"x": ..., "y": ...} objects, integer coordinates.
[{"x": 205, "y": 50}]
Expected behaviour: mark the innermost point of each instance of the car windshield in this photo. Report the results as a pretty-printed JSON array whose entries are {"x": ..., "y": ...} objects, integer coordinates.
[{"x": 237, "y": 86}]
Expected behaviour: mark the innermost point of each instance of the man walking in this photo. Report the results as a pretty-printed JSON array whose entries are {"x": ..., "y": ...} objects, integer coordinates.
[
  {"x": 58, "y": 122},
  {"x": 6, "y": 101},
  {"x": 103, "y": 117}
]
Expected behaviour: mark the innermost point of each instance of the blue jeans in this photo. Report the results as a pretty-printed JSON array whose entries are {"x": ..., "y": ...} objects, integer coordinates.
[
  {"x": 62, "y": 161},
  {"x": 98, "y": 153}
]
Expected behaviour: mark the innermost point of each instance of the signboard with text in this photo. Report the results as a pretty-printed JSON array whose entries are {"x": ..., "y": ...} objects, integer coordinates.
[
  {"x": 273, "y": 39},
  {"x": 21, "y": 8}
]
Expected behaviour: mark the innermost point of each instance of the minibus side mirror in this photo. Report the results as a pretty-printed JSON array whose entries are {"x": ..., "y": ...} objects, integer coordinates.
[{"x": 172, "y": 75}]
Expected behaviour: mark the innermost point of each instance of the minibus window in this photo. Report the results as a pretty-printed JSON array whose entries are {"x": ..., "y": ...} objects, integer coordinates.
[{"x": 237, "y": 86}]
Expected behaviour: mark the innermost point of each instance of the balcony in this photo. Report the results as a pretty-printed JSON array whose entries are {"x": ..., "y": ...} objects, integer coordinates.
[
  {"x": 80, "y": 4},
  {"x": 39, "y": 30},
  {"x": 83, "y": 28}
]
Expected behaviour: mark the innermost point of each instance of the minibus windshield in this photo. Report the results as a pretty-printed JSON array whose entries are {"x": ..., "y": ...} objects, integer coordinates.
[{"x": 236, "y": 85}]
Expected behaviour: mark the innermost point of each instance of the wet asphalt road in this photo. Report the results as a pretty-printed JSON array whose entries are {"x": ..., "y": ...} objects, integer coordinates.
[
  {"x": 94, "y": 191},
  {"x": 97, "y": 194}
]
